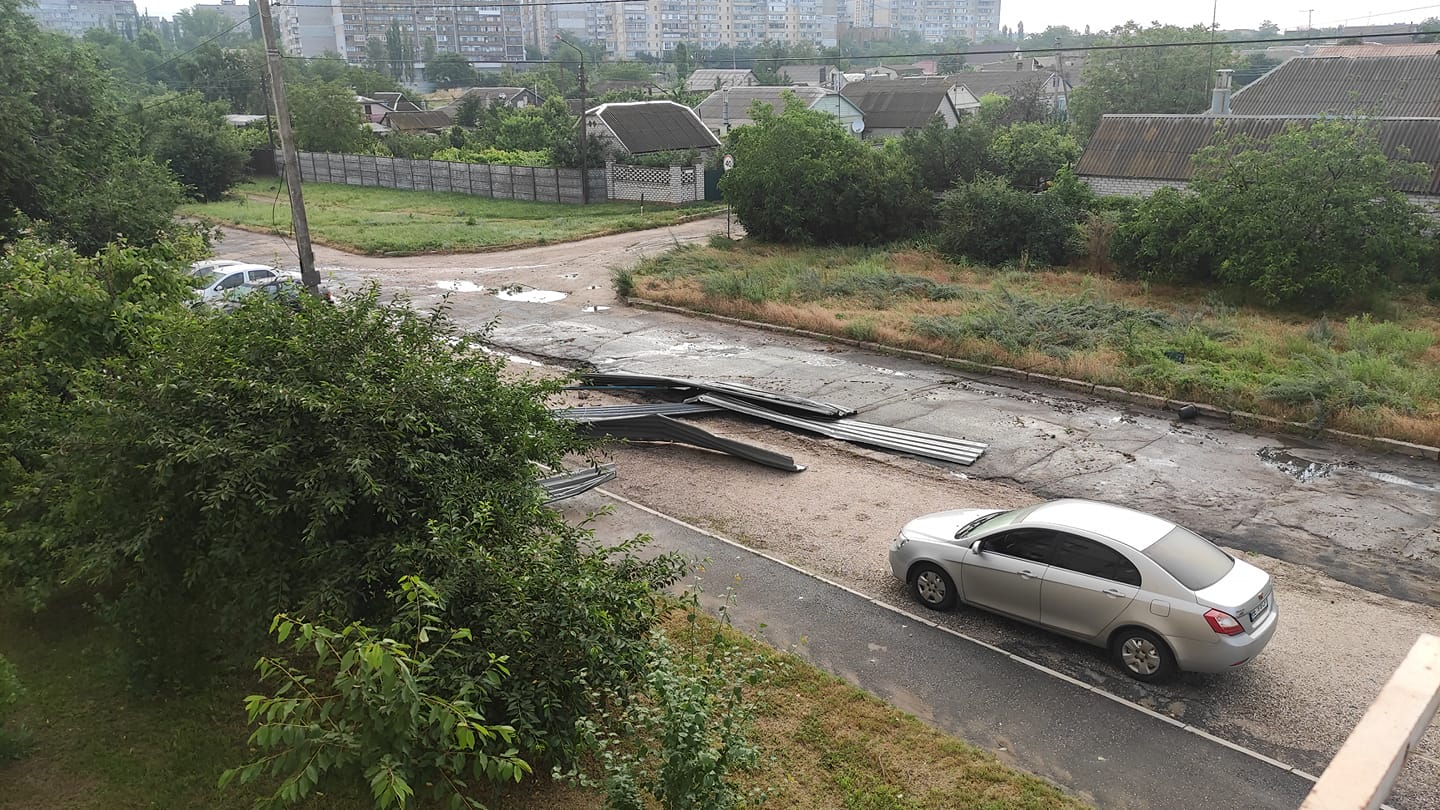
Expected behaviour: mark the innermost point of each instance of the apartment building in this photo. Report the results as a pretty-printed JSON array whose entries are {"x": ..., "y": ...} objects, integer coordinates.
[
  {"x": 480, "y": 33},
  {"x": 75, "y": 17},
  {"x": 935, "y": 20}
]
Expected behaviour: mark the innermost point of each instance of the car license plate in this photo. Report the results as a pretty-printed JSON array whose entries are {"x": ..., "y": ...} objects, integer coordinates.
[{"x": 1260, "y": 608}]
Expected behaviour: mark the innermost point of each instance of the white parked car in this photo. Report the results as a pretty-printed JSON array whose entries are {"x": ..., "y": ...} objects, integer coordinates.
[{"x": 218, "y": 277}]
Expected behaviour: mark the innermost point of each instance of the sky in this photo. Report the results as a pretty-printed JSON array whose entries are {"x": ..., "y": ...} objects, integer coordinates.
[{"x": 1101, "y": 14}]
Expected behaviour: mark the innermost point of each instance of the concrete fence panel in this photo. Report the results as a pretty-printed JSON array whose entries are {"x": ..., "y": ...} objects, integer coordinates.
[{"x": 542, "y": 184}]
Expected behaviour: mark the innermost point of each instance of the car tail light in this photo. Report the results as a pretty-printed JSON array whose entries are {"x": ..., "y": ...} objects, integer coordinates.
[{"x": 1223, "y": 623}]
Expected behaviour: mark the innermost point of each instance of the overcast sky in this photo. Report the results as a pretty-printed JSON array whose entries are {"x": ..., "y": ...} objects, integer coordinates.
[{"x": 1099, "y": 14}]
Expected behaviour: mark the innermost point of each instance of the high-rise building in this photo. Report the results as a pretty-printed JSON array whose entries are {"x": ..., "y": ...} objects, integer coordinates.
[
  {"x": 935, "y": 20},
  {"x": 407, "y": 29},
  {"x": 75, "y": 17},
  {"x": 313, "y": 28},
  {"x": 229, "y": 9}
]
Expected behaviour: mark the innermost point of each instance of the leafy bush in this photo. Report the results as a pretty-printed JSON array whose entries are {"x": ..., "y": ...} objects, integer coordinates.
[
  {"x": 681, "y": 738},
  {"x": 1170, "y": 237},
  {"x": 799, "y": 177},
  {"x": 1029, "y": 155},
  {"x": 190, "y": 137},
  {"x": 988, "y": 221},
  {"x": 942, "y": 156},
  {"x": 13, "y": 741},
  {"x": 499, "y": 157},
  {"x": 365, "y": 706}
]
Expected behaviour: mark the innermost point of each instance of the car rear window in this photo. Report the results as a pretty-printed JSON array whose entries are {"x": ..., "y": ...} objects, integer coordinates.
[{"x": 1194, "y": 561}]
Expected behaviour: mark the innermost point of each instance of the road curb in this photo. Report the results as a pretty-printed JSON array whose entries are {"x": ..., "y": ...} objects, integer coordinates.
[
  {"x": 899, "y": 611},
  {"x": 1158, "y": 403}
]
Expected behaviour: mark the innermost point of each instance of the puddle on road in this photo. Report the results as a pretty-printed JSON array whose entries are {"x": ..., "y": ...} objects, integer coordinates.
[
  {"x": 1302, "y": 470},
  {"x": 460, "y": 286},
  {"x": 1403, "y": 482},
  {"x": 531, "y": 296}
]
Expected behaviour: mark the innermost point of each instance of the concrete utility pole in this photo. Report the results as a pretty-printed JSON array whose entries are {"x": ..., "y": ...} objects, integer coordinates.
[
  {"x": 584, "y": 142},
  {"x": 291, "y": 157}
]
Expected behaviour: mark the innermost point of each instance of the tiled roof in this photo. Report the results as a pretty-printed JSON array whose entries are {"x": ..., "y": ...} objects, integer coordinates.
[
  {"x": 898, "y": 103},
  {"x": 1394, "y": 86},
  {"x": 655, "y": 126},
  {"x": 1159, "y": 147}
]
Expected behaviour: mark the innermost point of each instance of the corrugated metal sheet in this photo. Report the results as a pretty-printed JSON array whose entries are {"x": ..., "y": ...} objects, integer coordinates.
[
  {"x": 614, "y": 411},
  {"x": 1390, "y": 86},
  {"x": 656, "y": 428},
  {"x": 567, "y": 485},
  {"x": 655, "y": 126},
  {"x": 928, "y": 445},
  {"x": 1159, "y": 147},
  {"x": 895, "y": 104},
  {"x": 772, "y": 399}
]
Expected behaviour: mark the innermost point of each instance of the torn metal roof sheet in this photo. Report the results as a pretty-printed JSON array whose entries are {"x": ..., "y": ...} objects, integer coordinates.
[
  {"x": 587, "y": 414},
  {"x": 772, "y": 399},
  {"x": 928, "y": 445},
  {"x": 560, "y": 486},
  {"x": 658, "y": 428}
]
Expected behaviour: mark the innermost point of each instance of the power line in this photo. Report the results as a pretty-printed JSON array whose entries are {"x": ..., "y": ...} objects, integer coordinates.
[{"x": 1387, "y": 14}]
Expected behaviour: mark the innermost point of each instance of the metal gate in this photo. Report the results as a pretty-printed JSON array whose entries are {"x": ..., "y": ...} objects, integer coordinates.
[{"x": 712, "y": 185}]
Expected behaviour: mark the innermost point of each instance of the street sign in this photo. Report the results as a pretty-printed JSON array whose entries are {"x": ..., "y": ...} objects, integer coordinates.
[{"x": 729, "y": 162}]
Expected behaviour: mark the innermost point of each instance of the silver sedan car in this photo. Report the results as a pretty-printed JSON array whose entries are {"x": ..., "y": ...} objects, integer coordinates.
[{"x": 1158, "y": 596}]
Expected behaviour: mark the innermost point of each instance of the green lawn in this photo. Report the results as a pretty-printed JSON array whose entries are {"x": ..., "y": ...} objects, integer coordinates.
[
  {"x": 387, "y": 222},
  {"x": 1377, "y": 375},
  {"x": 99, "y": 746}
]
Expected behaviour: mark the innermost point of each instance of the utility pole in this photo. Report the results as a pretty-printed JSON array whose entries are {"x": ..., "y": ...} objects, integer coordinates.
[
  {"x": 276, "y": 70},
  {"x": 584, "y": 144},
  {"x": 1309, "y": 18}
]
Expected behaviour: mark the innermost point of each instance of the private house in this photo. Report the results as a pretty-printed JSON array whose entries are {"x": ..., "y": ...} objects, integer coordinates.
[
  {"x": 1049, "y": 86},
  {"x": 396, "y": 102},
  {"x": 1134, "y": 155},
  {"x": 509, "y": 96},
  {"x": 724, "y": 110},
  {"x": 371, "y": 111},
  {"x": 1391, "y": 86},
  {"x": 890, "y": 107},
  {"x": 707, "y": 79},
  {"x": 643, "y": 127},
  {"x": 812, "y": 75},
  {"x": 1381, "y": 49}
]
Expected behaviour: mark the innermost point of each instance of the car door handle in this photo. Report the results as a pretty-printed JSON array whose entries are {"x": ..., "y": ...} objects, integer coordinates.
[
  {"x": 1026, "y": 574},
  {"x": 1113, "y": 592}
]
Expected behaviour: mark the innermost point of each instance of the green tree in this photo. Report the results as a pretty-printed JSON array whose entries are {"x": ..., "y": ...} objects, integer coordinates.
[
  {"x": 1310, "y": 217},
  {"x": 1174, "y": 79},
  {"x": 13, "y": 740},
  {"x": 1029, "y": 155},
  {"x": 989, "y": 221},
  {"x": 232, "y": 75},
  {"x": 71, "y": 157},
  {"x": 192, "y": 139},
  {"x": 196, "y": 25},
  {"x": 800, "y": 177},
  {"x": 325, "y": 117},
  {"x": 449, "y": 70},
  {"x": 943, "y": 156}
]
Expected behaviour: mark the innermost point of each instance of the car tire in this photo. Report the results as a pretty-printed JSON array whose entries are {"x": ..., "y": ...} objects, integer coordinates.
[
  {"x": 932, "y": 587},
  {"x": 1143, "y": 655}
]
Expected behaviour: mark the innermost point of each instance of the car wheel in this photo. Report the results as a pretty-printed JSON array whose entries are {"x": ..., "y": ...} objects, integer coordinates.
[
  {"x": 932, "y": 586},
  {"x": 1142, "y": 654}
]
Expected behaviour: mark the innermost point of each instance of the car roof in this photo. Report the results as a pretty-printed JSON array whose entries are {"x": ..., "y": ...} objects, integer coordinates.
[
  {"x": 1134, "y": 529},
  {"x": 236, "y": 267}
]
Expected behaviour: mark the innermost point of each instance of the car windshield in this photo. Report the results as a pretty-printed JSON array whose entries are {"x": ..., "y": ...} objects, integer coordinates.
[
  {"x": 993, "y": 521},
  {"x": 1194, "y": 561}
]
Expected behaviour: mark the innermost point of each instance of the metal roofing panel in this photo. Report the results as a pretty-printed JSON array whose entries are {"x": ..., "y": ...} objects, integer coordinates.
[
  {"x": 929, "y": 445},
  {"x": 656, "y": 428},
  {"x": 1159, "y": 147},
  {"x": 560, "y": 486},
  {"x": 770, "y": 398},
  {"x": 1379, "y": 49},
  {"x": 611, "y": 411},
  {"x": 1382, "y": 86},
  {"x": 897, "y": 104},
  {"x": 656, "y": 126}
]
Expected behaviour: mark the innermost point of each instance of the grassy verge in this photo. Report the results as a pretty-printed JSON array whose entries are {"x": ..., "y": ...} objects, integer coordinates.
[
  {"x": 388, "y": 222},
  {"x": 823, "y": 743},
  {"x": 1377, "y": 376}
]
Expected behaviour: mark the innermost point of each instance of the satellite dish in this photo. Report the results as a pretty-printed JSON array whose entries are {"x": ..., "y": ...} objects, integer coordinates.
[{"x": 857, "y": 127}]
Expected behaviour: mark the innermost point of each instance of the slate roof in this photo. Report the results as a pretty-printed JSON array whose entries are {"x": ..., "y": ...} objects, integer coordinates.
[
  {"x": 703, "y": 80},
  {"x": 808, "y": 74},
  {"x": 713, "y": 107},
  {"x": 489, "y": 95},
  {"x": 898, "y": 103},
  {"x": 1376, "y": 49},
  {"x": 1391, "y": 86},
  {"x": 655, "y": 126},
  {"x": 1159, "y": 147},
  {"x": 1002, "y": 82},
  {"x": 395, "y": 101},
  {"x": 417, "y": 120}
]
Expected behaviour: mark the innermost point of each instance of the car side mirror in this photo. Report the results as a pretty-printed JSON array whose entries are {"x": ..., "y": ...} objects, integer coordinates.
[{"x": 975, "y": 546}]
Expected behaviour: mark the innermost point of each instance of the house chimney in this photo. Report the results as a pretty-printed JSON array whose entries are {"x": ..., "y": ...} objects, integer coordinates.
[{"x": 1220, "y": 96}]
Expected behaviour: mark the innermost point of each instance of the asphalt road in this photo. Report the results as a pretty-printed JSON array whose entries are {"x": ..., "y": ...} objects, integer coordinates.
[{"x": 1113, "y": 754}]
